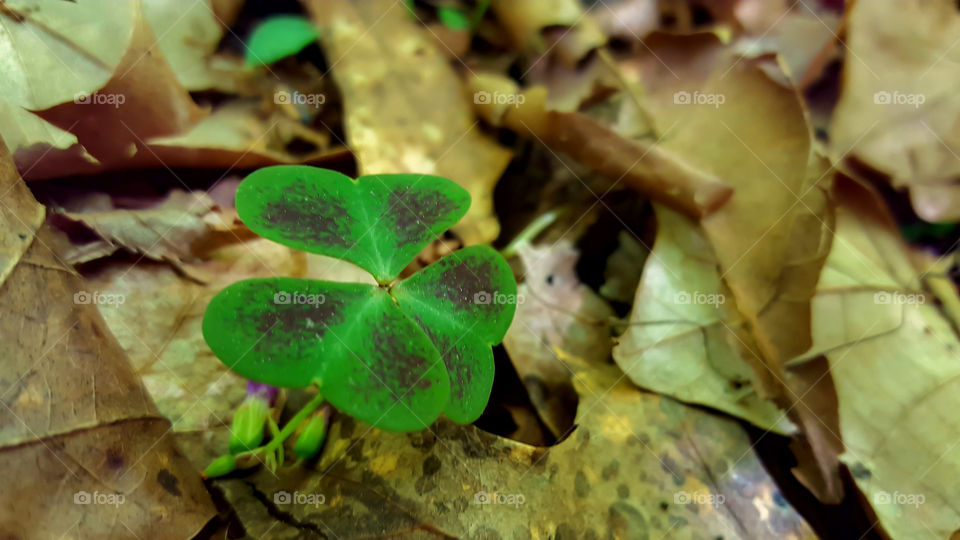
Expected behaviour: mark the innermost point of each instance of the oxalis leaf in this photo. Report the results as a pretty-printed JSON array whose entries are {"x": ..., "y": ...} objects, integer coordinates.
[
  {"x": 395, "y": 355},
  {"x": 465, "y": 303},
  {"x": 378, "y": 222}
]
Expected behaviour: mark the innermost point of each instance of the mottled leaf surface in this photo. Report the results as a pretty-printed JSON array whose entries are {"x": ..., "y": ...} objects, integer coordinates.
[
  {"x": 378, "y": 222},
  {"x": 465, "y": 303},
  {"x": 370, "y": 360},
  {"x": 625, "y": 472}
]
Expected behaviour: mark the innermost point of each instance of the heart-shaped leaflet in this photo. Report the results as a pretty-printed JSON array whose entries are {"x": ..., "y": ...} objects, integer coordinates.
[{"x": 378, "y": 222}]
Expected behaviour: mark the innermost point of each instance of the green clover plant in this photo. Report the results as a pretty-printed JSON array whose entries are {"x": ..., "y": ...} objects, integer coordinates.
[{"x": 397, "y": 354}]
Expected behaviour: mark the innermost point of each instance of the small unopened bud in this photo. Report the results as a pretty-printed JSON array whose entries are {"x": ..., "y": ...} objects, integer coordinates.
[
  {"x": 246, "y": 431},
  {"x": 311, "y": 438},
  {"x": 220, "y": 466},
  {"x": 267, "y": 392}
]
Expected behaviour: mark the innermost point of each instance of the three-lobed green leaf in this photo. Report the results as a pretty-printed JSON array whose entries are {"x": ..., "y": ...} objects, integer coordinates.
[{"x": 397, "y": 355}]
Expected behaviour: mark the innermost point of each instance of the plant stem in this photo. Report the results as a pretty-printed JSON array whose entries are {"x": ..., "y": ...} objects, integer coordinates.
[
  {"x": 288, "y": 429},
  {"x": 530, "y": 232}
]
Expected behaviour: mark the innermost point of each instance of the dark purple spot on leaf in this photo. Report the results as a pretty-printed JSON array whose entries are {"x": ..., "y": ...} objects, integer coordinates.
[
  {"x": 408, "y": 207},
  {"x": 401, "y": 369},
  {"x": 297, "y": 320},
  {"x": 466, "y": 285},
  {"x": 305, "y": 214},
  {"x": 459, "y": 372}
]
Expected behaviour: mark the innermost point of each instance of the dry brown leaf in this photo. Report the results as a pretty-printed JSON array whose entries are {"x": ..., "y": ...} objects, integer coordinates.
[
  {"x": 170, "y": 231},
  {"x": 559, "y": 27},
  {"x": 237, "y": 135},
  {"x": 898, "y": 100},
  {"x": 896, "y": 385},
  {"x": 40, "y": 41},
  {"x": 188, "y": 36},
  {"x": 626, "y": 472},
  {"x": 804, "y": 35},
  {"x": 556, "y": 312},
  {"x": 682, "y": 339},
  {"x": 772, "y": 236},
  {"x": 20, "y": 218},
  {"x": 647, "y": 168},
  {"x": 142, "y": 99},
  {"x": 405, "y": 109},
  {"x": 85, "y": 451}
]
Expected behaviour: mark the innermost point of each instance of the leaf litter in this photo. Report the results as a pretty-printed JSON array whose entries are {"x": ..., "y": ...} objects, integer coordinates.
[{"x": 722, "y": 331}]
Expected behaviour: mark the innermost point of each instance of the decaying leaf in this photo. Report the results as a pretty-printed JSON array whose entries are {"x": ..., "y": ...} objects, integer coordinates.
[
  {"x": 638, "y": 465},
  {"x": 20, "y": 218},
  {"x": 404, "y": 107},
  {"x": 85, "y": 451},
  {"x": 898, "y": 100},
  {"x": 772, "y": 236},
  {"x": 555, "y": 311},
  {"x": 188, "y": 35},
  {"x": 33, "y": 47},
  {"x": 170, "y": 231},
  {"x": 802, "y": 33},
  {"x": 682, "y": 339},
  {"x": 562, "y": 27},
  {"x": 141, "y": 98},
  {"x": 895, "y": 383},
  {"x": 641, "y": 165}
]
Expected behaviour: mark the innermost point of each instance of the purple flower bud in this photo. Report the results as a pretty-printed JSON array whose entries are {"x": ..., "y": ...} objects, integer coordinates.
[{"x": 264, "y": 391}]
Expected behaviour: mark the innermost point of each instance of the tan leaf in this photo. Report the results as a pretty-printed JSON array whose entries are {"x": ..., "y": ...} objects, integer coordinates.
[
  {"x": 896, "y": 384},
  {"x": 555, "y": 311},
  {"x": 84, "y": 449},
  {"x": 898, "y": 100},
  {"x": 681, "y": 340},
  {"x": 637, "y": 465},
  {"x": 405, "y": 109}
]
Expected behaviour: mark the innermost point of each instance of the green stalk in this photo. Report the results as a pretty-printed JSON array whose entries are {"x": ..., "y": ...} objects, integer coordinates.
[
  {"x": 530, "y": 232},
  {"x": 289, "y": 428}
]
